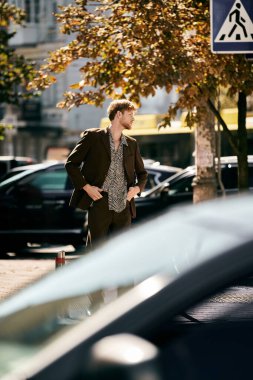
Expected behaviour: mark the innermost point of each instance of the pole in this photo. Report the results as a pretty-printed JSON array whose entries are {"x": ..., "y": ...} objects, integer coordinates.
[{"x": 60, "y": 259}]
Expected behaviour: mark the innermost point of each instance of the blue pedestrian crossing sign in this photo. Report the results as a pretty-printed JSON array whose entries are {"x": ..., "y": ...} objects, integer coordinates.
[{"x": 232, "y": 26}]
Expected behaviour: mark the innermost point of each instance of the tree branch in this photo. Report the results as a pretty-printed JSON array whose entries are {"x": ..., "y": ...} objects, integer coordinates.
[{"x": 230, "y": 137}]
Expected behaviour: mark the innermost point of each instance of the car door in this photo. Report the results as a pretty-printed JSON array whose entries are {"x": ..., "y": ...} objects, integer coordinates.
[
  {"x": 39, "y": 201},
  {"x": 35, "y": 208},
  {"x": 49, "y": 210},
  {"x": 179, "y": 190}
]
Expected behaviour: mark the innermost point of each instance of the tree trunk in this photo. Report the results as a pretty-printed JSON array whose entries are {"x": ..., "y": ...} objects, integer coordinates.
[
  {"x": 243, "y": 176},
  {"x": 204, "y": 184}
]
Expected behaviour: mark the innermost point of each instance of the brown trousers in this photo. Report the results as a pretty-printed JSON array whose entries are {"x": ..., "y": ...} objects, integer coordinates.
[{"x": 103, "y": 222}]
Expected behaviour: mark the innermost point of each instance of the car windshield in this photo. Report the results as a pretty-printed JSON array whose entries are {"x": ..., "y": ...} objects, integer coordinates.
[
  {"x": 21, "y": 173},
  {"x": 188, "y": 172},
  {"x": 14, "y": 178},
  {"x": 92, "y": 281}
]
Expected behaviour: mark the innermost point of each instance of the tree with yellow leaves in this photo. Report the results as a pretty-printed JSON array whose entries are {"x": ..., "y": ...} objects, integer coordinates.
[{"x": 131, "y": 48}]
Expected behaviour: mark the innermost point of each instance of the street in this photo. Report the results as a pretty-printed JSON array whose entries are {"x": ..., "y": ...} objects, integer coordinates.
[
  {"x": 21, "y": 269},
  {"x": 16, "y": 274}
]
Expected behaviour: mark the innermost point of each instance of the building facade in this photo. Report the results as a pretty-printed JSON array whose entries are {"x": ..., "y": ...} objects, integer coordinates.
[{"x": 39, "y": 125}]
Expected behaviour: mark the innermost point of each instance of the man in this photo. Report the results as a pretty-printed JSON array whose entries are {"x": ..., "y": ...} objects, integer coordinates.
[{"x": 107, "y": 172}]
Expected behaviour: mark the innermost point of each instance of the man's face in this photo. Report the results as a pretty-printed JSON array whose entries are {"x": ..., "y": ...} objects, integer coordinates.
[{"x": 127, "y": 119}]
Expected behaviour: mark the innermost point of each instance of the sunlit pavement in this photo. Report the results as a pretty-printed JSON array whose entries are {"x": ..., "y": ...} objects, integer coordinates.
[
  {"x": 18, "y": 270},
  {"x": 17, "y": 274}
]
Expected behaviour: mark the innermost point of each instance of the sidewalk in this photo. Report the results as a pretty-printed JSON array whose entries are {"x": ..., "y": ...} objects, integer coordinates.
[{"x": 17, "y": 274}]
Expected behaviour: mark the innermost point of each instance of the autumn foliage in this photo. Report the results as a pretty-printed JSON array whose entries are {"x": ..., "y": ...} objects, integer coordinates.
[
  {"x": 130, "y": 48},
  {"x": 15, "y": 71}
]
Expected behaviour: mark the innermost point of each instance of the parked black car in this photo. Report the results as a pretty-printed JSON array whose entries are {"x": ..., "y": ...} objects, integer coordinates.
[
  {"x": 178, "y": 188},
  {"x": 9, "y": 162},
  {"x": 170, "y": 299},
  {"x": 34, "y": 206},
  {"x": 157, "y": 173}
]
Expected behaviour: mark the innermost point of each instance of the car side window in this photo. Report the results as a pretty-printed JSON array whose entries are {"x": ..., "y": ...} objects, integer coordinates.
[
  {"x": 50, "y": 180},
  {"x": 183, "y": 185},
  {"x": 229, "y": 177},
  {"x": 150, "y": 182}
]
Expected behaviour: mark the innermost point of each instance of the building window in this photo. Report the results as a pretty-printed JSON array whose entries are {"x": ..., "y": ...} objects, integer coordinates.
[
  {"x": 37, "y": 11},
  {"x": 32, "y": 10},
  {"x": 17, "y": 3},
  {"x": 55, "y": 7},
  {"x": 28, "y": 10}
]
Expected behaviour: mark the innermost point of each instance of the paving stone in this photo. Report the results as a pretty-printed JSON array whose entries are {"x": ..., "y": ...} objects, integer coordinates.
[{"x": 17, "y": 274}]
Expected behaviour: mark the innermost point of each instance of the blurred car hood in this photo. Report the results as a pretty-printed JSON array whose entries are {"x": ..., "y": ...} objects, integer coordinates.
[{"x": 170, "y": 244}]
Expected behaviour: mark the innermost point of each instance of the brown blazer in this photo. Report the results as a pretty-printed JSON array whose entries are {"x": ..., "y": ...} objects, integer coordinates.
[{"x": 90, "y": 160}]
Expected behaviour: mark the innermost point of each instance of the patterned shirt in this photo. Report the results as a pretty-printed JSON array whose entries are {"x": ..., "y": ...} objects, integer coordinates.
[{"x": 115, "y": 182}]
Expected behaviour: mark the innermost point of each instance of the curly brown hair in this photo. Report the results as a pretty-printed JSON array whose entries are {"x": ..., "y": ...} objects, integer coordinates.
[{"x": 119, "y": 105}]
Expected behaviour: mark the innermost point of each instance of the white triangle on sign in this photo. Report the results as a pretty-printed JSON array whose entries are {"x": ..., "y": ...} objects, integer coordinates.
[{"x": 237, "y": 26}]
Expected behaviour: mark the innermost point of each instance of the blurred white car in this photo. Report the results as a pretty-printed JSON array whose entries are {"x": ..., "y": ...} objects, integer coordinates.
[{"x": 169, "y": 299}]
